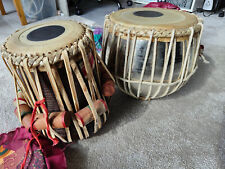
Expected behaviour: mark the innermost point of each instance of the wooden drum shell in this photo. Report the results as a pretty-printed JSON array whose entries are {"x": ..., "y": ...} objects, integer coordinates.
[{"x": 72, "y": 82}]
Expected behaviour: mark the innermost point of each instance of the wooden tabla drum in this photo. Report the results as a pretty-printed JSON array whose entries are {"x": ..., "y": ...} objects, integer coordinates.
[
  {"x": 57, "y": 61},
  {"x": 152, "y": 52}
]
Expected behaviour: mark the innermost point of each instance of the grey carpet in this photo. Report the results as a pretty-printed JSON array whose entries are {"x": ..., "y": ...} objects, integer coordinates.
[{"x": 183, "y": 130}]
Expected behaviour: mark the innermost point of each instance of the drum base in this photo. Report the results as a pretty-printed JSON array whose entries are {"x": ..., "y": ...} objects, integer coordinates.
[{"x": 147, "y": 90}]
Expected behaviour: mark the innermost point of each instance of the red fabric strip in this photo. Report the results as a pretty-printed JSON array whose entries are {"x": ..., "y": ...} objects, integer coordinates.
[
  {"x": 80, "y": 118},
  {"x": 26, "y": 155},
  {"x": 63, "y": 119},
  {"x": 32, "y": 129},
  {"x": 20, "y": 99},
  {"x": 106, "y": 107}
]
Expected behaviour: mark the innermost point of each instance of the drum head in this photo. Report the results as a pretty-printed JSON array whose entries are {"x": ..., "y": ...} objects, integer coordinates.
[
  {"x": 44, "y": 39},
  {"x": 154, "y": 18}
]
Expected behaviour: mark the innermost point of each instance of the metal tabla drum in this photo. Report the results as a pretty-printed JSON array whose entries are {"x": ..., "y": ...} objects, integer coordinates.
[
  {"x": 152, "y": 52},
  {"x": 57, "y": 61}
]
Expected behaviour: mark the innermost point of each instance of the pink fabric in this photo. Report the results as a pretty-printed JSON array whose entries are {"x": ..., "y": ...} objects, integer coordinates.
[
  {"x": 53, "y": 155},
  {"x": 166, "y": 5}
]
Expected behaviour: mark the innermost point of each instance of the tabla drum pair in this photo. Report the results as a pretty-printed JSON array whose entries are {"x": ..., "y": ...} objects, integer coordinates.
[
  {"x": 152, "y": 52},
  {"x": 57, "y": 61}
]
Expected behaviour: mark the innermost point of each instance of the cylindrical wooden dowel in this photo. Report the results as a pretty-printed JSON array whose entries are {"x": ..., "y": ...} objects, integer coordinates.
[
  {"x": 56, "y": 119},
  {"x": 85, "y": 116},
  {"x": 108, "y": 88},
  {"x": 61, "y": 119},
  {"x": 20, "y": 98},
  {"x": 108, "y": 85}
]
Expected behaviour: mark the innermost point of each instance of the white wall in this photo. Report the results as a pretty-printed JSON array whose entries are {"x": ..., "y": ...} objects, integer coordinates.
[
  {"x": 8, "y": 5},
  {"x": 63, "y": 7}
]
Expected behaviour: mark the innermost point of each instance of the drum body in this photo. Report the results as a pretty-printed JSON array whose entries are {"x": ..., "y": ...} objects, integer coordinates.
[
  {"x": 152, "y": 52},
  {"x": 56, "y": 61}
]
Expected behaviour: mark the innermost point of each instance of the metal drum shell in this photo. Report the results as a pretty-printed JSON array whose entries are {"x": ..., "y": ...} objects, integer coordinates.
[{"x": 126, "y": 60}]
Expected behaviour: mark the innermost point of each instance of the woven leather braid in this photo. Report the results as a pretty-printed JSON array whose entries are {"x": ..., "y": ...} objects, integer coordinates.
[
  {"x": 53, "y": 56},
  {"x": 143, "y": 32}
]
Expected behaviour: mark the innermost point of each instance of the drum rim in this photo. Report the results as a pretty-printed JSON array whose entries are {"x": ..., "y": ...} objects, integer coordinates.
[
  {"x": 54, "y": 56},
  {"x": 161, "y": 32}
]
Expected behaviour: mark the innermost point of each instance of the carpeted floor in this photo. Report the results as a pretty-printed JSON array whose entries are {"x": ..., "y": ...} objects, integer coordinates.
[{"x": 183, "y": 130}]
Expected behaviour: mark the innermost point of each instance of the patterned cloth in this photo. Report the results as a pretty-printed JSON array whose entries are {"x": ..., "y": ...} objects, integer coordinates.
[
  {"x": 13, "y": 149},
  {"x": 98, "y": 38},
  {"x": 13, "y": 159},
  {"x": 166, "y": 5}
]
